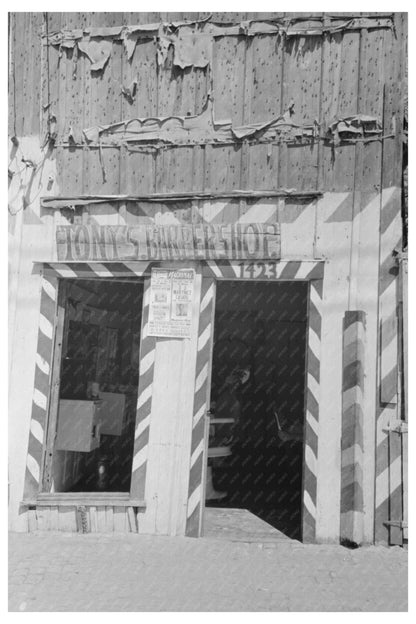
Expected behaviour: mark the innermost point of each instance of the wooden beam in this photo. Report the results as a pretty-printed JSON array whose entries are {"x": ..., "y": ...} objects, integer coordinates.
[
  {"x": 76, "y": 499},
  {"x": 59, "y": 202}
]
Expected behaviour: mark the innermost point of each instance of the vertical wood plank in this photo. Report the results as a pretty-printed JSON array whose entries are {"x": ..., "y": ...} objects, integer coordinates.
[
  {"x": 120, "y": 517},
  {"x": 132, "y": 522},
  {"x": 266, "y": 77},
  {"x": 73, "y": 20},
  {"x": 12, "y": 77},
  {"x": 142, "y": 68},
  {"x": 395, "y": 487},
  {"x": 109, "y": 519},
  {"x": 405, "y": 311},
  {"x": 93, "y": 519},
  {"x": 43, "y": 516},
  {"x": 303, "y": 70},
  {"x": 32, "y": 520},
  {"x": 207, "y": 168},
  {"x": 205, "y": 465},
  {"x": 350, "y": 72},
  {"x": 228, "y": 72},
  {"x": 18, "y": 71},
  {"x": 405, "y": 480},
  {"x": 104, "y": 174},
  {"x": 101, "y": 519},
  {"x": 67, "y": 521},
  {"x": 177, "y": 169},
  {"x": 32, "y": 114},
  {"x": 54, "y": 518}
]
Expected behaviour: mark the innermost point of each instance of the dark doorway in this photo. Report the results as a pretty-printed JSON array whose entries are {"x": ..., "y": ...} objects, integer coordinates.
[
  {"x": 96, "y": 410},
  {"x": 258, "y": 382}
]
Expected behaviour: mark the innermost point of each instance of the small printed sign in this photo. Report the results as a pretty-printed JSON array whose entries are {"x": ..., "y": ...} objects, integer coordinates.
[{"x": 170, "y": 307}]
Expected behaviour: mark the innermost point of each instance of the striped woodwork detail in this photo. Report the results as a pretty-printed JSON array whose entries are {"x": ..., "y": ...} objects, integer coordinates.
[
  {"x": 201, "y": 397},
  {"x": 51, "y": 273},
  {"x": 264, "y": 210},
  {"x": 388, "y": 487},
  {"x": 390, "y": 240},
  {"x": 312, "y": 412},
  {"x": 284, "y": 270},
  {"x": 351, "y": 526},
  {"x": 91, "y": 270},
  {"x": 144, "y": 400},
  {"x": 43, "y": 366}
]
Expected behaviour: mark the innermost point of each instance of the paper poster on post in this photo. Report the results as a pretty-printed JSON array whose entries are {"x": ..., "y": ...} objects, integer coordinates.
[{"x": 170, "y": 307}]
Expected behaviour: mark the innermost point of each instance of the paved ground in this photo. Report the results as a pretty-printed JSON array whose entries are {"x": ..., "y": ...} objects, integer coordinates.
[{"x": 72, "y": 572}]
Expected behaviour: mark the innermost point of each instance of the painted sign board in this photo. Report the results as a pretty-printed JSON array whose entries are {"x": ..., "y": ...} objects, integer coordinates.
[
  {"x": 170, "y": 306},
  {"x": 204, "y": 241}
]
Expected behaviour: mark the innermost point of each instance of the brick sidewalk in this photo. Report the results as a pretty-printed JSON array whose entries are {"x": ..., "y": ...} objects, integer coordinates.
[{"x": 71, "y": 572}]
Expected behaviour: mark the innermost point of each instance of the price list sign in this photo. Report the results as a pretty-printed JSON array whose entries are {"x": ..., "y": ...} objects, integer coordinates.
[{"x": 170, "y": 308}]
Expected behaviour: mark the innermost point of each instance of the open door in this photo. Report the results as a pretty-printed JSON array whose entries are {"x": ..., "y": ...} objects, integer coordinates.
[{"x": 255, "y": 455}]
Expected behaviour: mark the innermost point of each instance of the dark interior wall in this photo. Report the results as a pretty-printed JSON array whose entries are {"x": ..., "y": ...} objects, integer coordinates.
[{"x": 263, "y": 325}]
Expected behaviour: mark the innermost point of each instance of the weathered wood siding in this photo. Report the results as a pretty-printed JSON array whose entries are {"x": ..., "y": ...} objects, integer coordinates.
[{"x": 252, "y": 79}]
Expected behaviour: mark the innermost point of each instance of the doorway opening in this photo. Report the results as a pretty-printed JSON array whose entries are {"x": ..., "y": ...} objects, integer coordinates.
[
  {"x": 95, "y": 408},
  {"x": 255, "y": 454}
]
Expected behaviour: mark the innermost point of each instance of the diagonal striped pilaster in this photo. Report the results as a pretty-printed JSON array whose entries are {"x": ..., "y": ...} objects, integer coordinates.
[
  {"x": 351, "y": 525},
  {"x": 44, "y": 352},
  {"x": 312, "y": 412},
  {"x": 144, "y": 401},
  {"x": 201, "y": 398}
]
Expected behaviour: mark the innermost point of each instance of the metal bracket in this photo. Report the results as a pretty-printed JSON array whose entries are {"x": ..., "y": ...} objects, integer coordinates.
[{"x": 398, "y": 426}]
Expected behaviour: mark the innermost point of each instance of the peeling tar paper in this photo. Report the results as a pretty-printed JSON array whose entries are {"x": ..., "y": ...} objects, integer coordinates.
[{"x": 170, "y": 307}]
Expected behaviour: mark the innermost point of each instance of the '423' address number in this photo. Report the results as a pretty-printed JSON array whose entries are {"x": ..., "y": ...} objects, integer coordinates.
[{"x": 252, "y": 270}]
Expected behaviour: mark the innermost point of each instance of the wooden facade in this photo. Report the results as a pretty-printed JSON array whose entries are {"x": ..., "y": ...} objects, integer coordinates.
[{"x": 172, "y": 118}]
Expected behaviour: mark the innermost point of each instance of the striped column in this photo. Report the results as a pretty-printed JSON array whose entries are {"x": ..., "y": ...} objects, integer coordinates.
[
  {"x": 351, "y": 525},
  {"x": 48, "y": 299},
  {"x": 201, "y": 398},
  {"x": 144, "y": 401},
  {"x": 312, "y": 412},
  {"x": 388, "y": 490}
]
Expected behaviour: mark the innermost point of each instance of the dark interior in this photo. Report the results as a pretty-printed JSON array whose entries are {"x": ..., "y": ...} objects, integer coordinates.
[
  {"x": 100, "y": 344},
  {"x": 260, "y": 327}
]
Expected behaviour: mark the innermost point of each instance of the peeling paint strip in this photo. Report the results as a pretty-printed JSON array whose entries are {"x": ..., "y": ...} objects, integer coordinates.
[{"x": 207, "y": 26}]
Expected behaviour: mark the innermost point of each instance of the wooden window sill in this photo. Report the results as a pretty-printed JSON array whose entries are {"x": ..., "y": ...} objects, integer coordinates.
[{"x": 77, "y": 499}]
